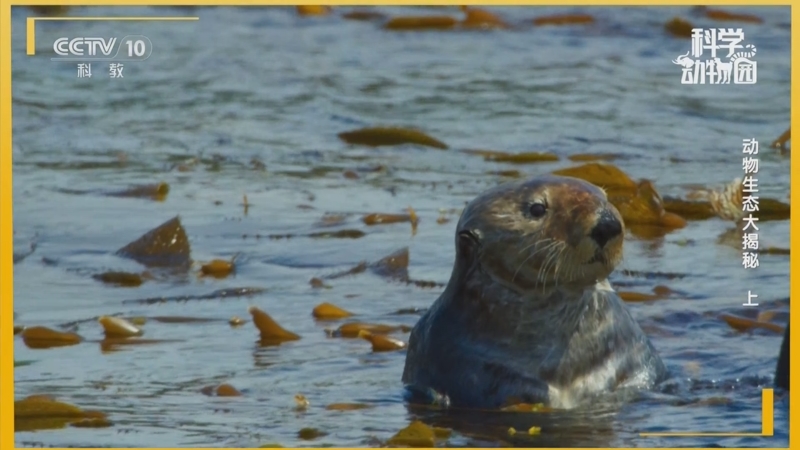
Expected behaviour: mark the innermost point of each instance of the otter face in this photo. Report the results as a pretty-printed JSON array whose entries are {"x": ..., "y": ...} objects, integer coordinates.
[{"x": 545, "y": 232}]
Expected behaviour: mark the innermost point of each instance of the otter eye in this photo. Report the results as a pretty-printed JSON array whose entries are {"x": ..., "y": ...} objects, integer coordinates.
[{"x": 537, "y": 210}]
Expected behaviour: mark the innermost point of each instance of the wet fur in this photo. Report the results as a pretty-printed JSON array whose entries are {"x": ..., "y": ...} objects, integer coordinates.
[{"x": 524, "y": 317}]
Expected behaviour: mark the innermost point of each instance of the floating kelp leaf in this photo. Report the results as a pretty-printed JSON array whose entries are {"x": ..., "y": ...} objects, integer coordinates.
[
  {"x": 364, "y": 16},
  {"x": 533, "y": 431},
  {"x": 218, "y": 268},
  {"x": 46, "y": 406},
  {"x": 372, "y": 168},
  {"x": 317, "y": 283},
  {"x": 586, "y": 157},
  {"x": 659, "y": 292},
  {"x": 114, "y": 344},
  {"x": 124, "y": 279},
  {"x": 358, "y": 268},
  {"x": 739, "y": 323},
  {"x": 92, "y": 423},
  {"x": 771, "y": 209},
  {"x": 313, "y": 10},
  {"x": 40, "y": 397},
  {"x": 410, "y": 23},
  {"x": 353, "y": 329},
  {"x": 42, "y": 337},
  {"x": 524, "y": 158},
  {"x": 23, "y": 363},
  {"x": 279, "y": 236},
  {"x": 481, "y": 18},
  {"x": 780, "y": 143},
  {"x": 309, "y": 434},
  {"x": 679, "y": 27},
  {"x": 606, "y": 176},
  {"x": 381, "y": 343},
  {"x": 164, "y": 246},
  {"x": 18, "y": 329},
  {"x": 43, "y": 412},
  {"x": 416, "y": 434},
  {"x": 236, "y": 321},
  {"x": 118, "y": 327},
  {"x": 382, "y": 219},
  {"x": 766, "y": 316},
  {"x": 328, "y": 311},
  {"x": 724, "y": 16},
  {"x": 403, "y": 311},
  {"x": 222, "y": 390},
  {"x": 270, "y": 331},
  {"x": 506, "y": 173},
  {"x": 425, "y": 284},
  {"x": 350, "y": 175},
  {"x": 81, "y": 165},
  {"x": 157, "y": 192},
  {"x": 220, "y": 294},
  {"x": 42, "y": 423},
  {"x": 691, "y": 210},
  {"x": 75, "y": 324},
  {"x": 394, "y": 265},
  {"x": 340, "y": 234},
  {"x": 564, "y": 19},
  {"x": 514, "y": 158},
  {"x": 662, "y": 290},
  {"x": 226, "y": 390},
  {"x": 347, "y": 406},
  {"x": 442, "y": 433},
  {"x": 380, "y": 136},
  {"x": 774, "y": 251},
  {"x": 774, "y": 310},
  {"x": 646, "y": 208},
  {"x": 183, "y": 319},
  {"x": 413, "y": 219}
]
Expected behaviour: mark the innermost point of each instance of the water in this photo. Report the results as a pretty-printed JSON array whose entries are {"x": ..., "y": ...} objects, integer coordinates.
[{"x": 262, "y": 83}]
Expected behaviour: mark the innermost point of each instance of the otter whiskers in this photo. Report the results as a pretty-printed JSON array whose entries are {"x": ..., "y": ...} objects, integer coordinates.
[{"x": 549, "y": 244}]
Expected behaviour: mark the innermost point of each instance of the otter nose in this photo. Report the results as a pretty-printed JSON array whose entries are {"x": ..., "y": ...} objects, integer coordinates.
[{"x": 606, "y": 228}]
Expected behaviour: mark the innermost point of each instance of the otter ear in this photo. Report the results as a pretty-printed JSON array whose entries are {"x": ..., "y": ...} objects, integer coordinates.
[{"x": 467, "y": 242}]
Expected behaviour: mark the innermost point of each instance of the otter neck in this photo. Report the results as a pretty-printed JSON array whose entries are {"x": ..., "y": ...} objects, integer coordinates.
[{"x": 489, "y": 304}]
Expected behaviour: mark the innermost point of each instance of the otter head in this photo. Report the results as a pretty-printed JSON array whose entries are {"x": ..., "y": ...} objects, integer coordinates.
[{"x": 545, "y": 232}]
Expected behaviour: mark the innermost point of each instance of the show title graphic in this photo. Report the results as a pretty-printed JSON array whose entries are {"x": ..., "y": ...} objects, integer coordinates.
[{"x": 718, "y": 56}]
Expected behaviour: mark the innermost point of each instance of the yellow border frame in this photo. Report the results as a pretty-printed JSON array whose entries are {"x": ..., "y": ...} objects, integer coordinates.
[{"x": 6, "y": 197}]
